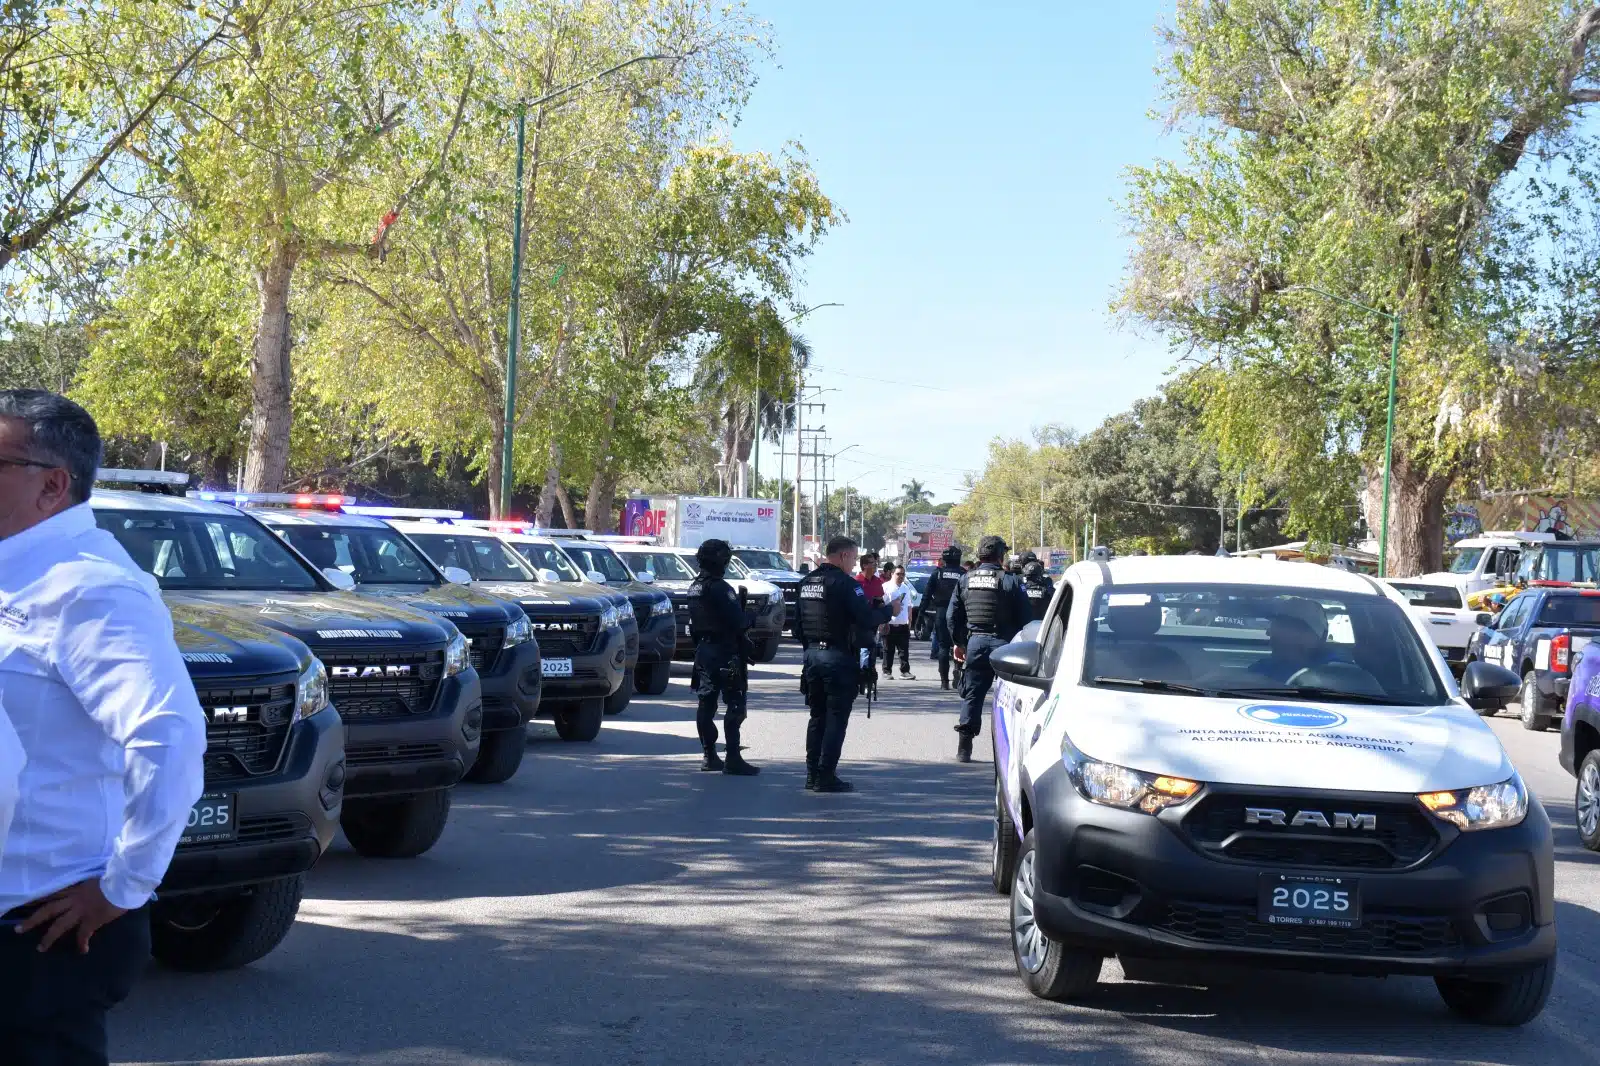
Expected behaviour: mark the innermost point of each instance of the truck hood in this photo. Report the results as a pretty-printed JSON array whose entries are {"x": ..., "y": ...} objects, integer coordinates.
[
  {"x": 1283, "y": 743},
  {"x": 223, "y": 642},
  {"x": 459, "y": 603},
  {"x": 328, "y": 619},
  {"x": 534, "y": 596}
]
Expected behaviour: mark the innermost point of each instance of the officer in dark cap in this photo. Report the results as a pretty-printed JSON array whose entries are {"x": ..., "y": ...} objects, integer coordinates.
[
  {"x": 718, "y": 625},
  {"x": 833, "y": 621},
  {"x": 988, "y": 608},
  {"x": 941, "y": 589},
  {"x": 1038, "y": 586}
]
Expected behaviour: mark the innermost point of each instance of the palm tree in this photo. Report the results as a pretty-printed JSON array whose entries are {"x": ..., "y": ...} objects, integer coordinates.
[
  {"x": 915, "y": 494},
  {"x": 752, "y": 342}
]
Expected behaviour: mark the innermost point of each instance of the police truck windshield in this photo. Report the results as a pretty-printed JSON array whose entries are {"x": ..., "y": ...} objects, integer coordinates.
[
  {"x": 1248, "y": 641},
  {"x": 547, "y": 557},
  {"x": 594, "y": 557},
  {"x": 666, "y": 566},
  {"x": 485, "y": 558},
  {"x": 761, "y": 558},
  {"x": 370, "y": 555},
  {"x": 207, "y": 551}
]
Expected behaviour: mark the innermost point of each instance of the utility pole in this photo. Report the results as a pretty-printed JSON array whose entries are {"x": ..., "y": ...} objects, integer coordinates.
[
  {"x": 513, "y": 327},
  {"x": 799, "y": 440},
  {"x": 1238, "y": 525},
  {"x": 1041, "y": 513}
]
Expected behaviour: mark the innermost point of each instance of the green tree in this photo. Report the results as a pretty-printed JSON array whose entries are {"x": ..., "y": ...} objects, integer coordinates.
[{"x": 1420, "y": 158}]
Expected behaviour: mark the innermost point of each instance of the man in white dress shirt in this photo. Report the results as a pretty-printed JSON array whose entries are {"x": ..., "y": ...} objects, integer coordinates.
[{"x": 114, "y": 738}]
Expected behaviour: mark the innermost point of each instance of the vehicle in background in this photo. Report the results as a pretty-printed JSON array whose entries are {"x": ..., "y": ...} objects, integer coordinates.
[
  {"x": 769, "y": 564},
  {"x": 401, "y": 679},
  {"x": 1536, "y": 637},
  {"x": 1439, "y": 607},
  {"x": 584, "y": 652},
  {"x": 274, "y": 786},
  {"x": 665, "y": 569},
  {"x": 763, "y": 600},
  {"x": 1580, "y": 745},
  {"x": 652, "y": 610},
  {"x": 384, "y": 564},
  {"x": 1561, "y": 562},
  {"x": 1482, "y": 562}
]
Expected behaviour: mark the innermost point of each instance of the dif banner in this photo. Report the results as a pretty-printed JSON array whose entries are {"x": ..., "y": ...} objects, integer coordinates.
[{"x": 651, "y": 516}]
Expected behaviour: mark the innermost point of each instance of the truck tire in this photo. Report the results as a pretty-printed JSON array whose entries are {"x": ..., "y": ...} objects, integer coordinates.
[
  {"x": 396, "y": 827},
  {"x": 1003, "y": 849},
  {"x": 617, "y": 702},
  {"x": 651, "y": 679},
  {"x": 1514, "y": 999},
  {"x": 579, "y": 720},
  {"x": 229, "y": 932},
  {"x": 1586, "y": 800},
  {"x": 1048, "y": 968},
  {"x": 767, "y": 650},
  {"x": 499, "y": 756},
  {"x": 1535, "y": 715}
]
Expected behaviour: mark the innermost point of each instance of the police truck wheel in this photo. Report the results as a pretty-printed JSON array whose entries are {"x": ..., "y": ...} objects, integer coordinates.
[
  {"x": 1049, "y": 969},
  {"x": 767, "y": 650},
  {"x": 1003, "y": 848},
  {"x": 651, "y": 679},
  {"x": 396, "y": 827},
  {"x": 224, "y": 933},
  {"x": 1534, "y": 716},
  {"x": 1515, "y": 999},
  {"x": 499, "y": 756},
  {"x": 1586, "y": 800},
  {"x": 579, "y": 720},
  {"x": 617, "y": 702}
]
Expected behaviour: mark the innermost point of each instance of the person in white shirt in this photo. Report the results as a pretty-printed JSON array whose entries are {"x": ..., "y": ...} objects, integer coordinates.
[
  {"x": 897, "y": 595},
  {"x": 114, "y": 737}
]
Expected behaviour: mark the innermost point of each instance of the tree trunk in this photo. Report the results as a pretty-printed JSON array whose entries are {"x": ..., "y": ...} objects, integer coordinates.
[
  {"x": 567, "y": 513},
  {"x": 271, "y": 382},
  {"x": 497, "y": 446},
  {"x": 552, "y": 480},
  {"x": 1416, "y": 515},
  {"x": 597, "y": 510}
]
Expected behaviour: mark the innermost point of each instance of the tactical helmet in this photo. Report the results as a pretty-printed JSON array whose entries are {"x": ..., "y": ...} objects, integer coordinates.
[
  {"x": 713, "y": 556},
  {"x": 1033, "y": 569},
  {"x": 951, "y": 556},
  {"x": 1027, "y": 557},
  {"x": 991, "y": 548}
]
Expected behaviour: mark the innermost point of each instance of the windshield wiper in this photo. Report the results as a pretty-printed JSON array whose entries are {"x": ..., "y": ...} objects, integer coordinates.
[
  {"x": 1154, "y": 685},
  {"x": 1316, "y": 692}
]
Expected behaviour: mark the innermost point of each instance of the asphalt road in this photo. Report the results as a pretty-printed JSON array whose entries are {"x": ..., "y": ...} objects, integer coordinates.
[{"x": 613, "y": 905}]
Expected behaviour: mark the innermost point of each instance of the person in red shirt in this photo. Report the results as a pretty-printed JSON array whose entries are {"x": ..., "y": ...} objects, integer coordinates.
[{"x": 872, "y": 585}]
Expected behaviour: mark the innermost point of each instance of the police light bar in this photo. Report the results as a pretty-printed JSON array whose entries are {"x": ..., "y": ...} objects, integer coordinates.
[
  {"x": 498, "y": 525},
  {"x": 437, "y": 514},
  {"x": 318, "y": 500},
  {"x": 622, "y": 538},
  {"x": 155, "y": 479}
]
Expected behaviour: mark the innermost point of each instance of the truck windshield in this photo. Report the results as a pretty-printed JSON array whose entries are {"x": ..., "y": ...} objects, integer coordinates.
[
  {"x": 1421, "y": 595},
  {"x": 1255, "y": 641},
  {"x": 594, "y": 557},
  {"x": 1465, "y": 560},
  {"x": 666, "y": 566},
  {"x": 1558, "y": 562},
  {"x": 1580, "y": 610},
  {"x": 485, "y": 558},
  {"x": 547, "y": 557},
  {"x": 371, "y": 556},
  {"x": 207, "y": 551},
  {"x": 761, "y": 559}
]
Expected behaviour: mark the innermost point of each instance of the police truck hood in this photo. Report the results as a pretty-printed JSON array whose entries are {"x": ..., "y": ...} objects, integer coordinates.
[
  {"x": 561, "y": 597},
  {"x": 321, "y": 618},
  {"x": 1285, "y": 743},
  {"x": 459, "y": 603},
  {"x": 222, "y": 642}
]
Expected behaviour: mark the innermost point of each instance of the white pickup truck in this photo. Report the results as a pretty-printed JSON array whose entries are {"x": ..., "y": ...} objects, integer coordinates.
[
  {"x": 1438, "y": 606},
  {"x": 1476, "y": 563}
]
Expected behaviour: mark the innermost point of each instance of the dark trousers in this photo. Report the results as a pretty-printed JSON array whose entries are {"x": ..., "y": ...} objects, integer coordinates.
[
  {"x": 899, "y": 639},
  {"x": 830, "y": 676},
  {"x": 940, "y": 648},
  {"x": 53, "y": 1005},
  {"x": 714, "y": 667},
  {"x": 976, "y": 680}
]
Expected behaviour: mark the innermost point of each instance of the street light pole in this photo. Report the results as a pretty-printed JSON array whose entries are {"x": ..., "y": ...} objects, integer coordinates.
[{"x": 513, "y": 327}]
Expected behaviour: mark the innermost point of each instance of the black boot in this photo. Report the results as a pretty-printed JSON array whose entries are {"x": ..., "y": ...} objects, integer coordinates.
[
  {"x": 964, "y": 749},
  {"x": 737, "y": 766},
  {"x": 811, "y": 779},
  {"x": 712, "y": 764},
  {"x": 832, "y": 782}
]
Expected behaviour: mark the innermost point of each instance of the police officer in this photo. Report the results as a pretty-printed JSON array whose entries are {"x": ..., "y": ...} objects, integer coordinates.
[
  {"x": 988, "y": 608},
  {"x": 833, "y": 622},
  {"x": 718, "y": 625},
  {"x": 941, "y": 589},
  {"x": 1038, "y": 586}
]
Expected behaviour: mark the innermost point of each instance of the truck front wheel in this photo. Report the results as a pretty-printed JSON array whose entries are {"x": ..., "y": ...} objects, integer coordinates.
[
  {"x": 224, "y": 932},
  {"x": 579, "y": 720},
  {"x": 617, "y": 702},
  {"x": 396, "y": 827},
  {"x": 499, "y": 756},
  {"x": 767, "y": 650},
  {"x": 651, "y": 679}
]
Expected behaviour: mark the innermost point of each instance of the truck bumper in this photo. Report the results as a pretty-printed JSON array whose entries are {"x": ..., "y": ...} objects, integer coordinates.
[
  {"x": 597, "y": 674},
  {"x": 397, "y": 756},
  {"x": 511, "y": 690},
  {"x": 658, "y": 639}
]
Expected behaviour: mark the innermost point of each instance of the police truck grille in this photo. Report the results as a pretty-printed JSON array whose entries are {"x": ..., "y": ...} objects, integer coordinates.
[
  {"x": 484, "y": 645},
  {"x": 563, "y": 636},
  {"x": 1378, "y": 934},
  {"x": 246, "y": 727},
  {"x": 383, "y": 684},
  {"x": 1222, "y": 826}
]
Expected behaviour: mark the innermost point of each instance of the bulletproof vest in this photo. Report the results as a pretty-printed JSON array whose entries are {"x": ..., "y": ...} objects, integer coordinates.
[
  {"x": 942, "y": 585},
  {"x": 703, "y": 620},
  {"x": 984, "y": 592},
  {"x": 824, "y": 610},
  {"x": 1038, "y": 598}
]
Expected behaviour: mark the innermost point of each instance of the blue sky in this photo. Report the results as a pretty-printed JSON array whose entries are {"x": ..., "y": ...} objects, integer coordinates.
[{"x": 978, "y": 151}]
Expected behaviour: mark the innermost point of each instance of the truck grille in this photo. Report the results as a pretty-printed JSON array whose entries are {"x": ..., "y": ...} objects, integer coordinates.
[
  {"x": 1404, "y": 835},
  {"x": 484, "y": 645},
  {"x": 368, "y": 754},
  {"x": 1378, "y": 934},
  {"x": 253, "y": 745},
  {"x": 378, "y": 696},
  {"x": 558, "y": 642}
]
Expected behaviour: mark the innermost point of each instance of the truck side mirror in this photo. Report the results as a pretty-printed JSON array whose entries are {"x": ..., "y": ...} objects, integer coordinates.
[{"x": 1485, "y": 619}]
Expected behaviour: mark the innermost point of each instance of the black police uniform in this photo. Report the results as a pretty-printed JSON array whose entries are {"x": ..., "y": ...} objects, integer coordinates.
[
  {"x": 942, "y": 584},
  {"x": 988, "y": 608},
  {"x": 718, "y": 625},
  {"x": 1039, "y": 589},
  {"x": 833, "y": 620}
]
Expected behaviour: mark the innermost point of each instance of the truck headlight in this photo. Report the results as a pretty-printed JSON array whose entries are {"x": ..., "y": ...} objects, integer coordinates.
[
  {"x": 1485, "y": 807},
  {"x": 775, "y": 597},
  {"x": 610, "y": 618},
  {"x": 518, "y": 632},
  {"x": 311, "y": 690},
  {"x": 1117, "y": 786},
  {"x": 456, "y": 658},
  {"x": 661, "y": 607}
]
